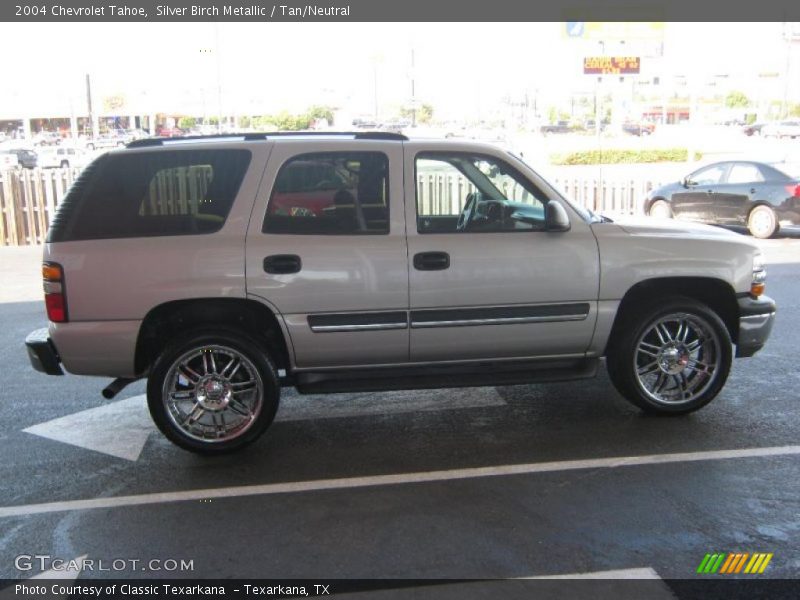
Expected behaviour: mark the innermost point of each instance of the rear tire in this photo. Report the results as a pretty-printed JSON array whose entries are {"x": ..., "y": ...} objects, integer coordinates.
[
  {"x": 762, "y": 222},
  {"x": 213, "y": 392},
  {"x": 671, "y": 356}
]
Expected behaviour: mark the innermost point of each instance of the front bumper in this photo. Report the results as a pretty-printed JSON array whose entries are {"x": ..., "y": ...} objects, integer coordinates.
[
  {"x": 42, "y": 353},
  {"x": 756, "y": 316}
]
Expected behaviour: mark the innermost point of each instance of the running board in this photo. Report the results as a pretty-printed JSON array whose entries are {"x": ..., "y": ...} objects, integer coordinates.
[{"x": 444, "y": 376}]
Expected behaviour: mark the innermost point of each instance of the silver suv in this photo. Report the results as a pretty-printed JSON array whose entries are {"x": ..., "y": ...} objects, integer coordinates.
[{"x": 223, "y": 268}]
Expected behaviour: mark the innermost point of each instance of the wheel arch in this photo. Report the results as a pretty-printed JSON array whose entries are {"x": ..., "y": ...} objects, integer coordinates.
[
  {"x": 172, "y": 318},
  {"x": 649, "y": 203},
  {"x": 717, "y": 294}
]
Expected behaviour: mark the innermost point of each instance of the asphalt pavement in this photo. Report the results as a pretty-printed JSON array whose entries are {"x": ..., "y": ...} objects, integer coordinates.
[{"x": 506, "y": 482}]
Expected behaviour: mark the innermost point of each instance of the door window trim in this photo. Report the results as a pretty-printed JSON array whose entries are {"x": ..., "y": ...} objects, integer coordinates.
[{"x": 535, "y": 190}]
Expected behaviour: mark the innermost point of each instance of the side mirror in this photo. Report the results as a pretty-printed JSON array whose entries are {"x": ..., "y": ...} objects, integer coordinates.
[
  {"x": 686, "y": 182},
  {"x": 556, "y": 217}
]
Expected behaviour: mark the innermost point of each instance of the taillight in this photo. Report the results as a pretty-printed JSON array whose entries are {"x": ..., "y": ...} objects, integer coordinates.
[
  {"x": 54, "y": 294},
  {"x": 793, "y": 189}
]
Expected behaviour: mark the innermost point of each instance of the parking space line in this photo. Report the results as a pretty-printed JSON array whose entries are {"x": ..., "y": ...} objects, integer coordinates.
[
  {"x": 394, "y": 479},
  {"x": 636, "y": 573}
]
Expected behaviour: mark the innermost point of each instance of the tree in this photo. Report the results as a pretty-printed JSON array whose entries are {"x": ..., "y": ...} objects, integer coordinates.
[
  {"x": 186, "y": 122},
  {"x": 424, "y": 113},
  {"x": 320, "y": 112},
  {"x": 736, "y": 99}
]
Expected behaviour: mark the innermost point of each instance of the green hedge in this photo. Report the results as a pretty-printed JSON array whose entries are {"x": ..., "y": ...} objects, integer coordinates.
[{"x": 618, "y": 156}]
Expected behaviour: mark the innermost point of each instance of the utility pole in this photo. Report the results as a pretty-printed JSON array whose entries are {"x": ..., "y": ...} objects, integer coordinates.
[
  {"x": 219, "y": 78},
  {"x": 787, "y": 34},
  {"x": 413, "y": 96},
  {"x": 89, "y": 103}
]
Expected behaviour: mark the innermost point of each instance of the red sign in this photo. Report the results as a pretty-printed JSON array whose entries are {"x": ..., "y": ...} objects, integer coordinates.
[{"x": 611, "y": 65}]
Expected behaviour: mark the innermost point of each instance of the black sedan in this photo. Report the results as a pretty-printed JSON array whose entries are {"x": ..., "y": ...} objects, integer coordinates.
[
  {"x": 26, "y": 158},
  {"x": 734, "y": 193}
]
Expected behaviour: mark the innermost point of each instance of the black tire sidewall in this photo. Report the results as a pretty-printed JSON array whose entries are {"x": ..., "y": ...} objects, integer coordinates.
[
  {"x": 238, "y": 341},
  {"x": 620, "y": 355}
]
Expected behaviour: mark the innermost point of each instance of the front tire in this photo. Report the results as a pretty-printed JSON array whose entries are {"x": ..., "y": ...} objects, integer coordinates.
[
  {"x": 762, "y": 222},
  {"x": 660, "y": 209},
  {"x": 670, "y": 357},
  {"x": 213, "y": 392}
]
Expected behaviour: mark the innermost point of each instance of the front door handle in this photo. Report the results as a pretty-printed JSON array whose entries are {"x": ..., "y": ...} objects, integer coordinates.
[
  {"x": 282, "y": 264},
  {"x": 431, "y": 261}
]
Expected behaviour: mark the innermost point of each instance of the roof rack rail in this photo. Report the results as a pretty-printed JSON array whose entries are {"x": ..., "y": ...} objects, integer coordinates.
[{"x": 249, "y": 137}]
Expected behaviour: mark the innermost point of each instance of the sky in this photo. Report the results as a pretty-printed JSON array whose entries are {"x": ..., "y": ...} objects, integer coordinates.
[{"x": 258, "y": 68}]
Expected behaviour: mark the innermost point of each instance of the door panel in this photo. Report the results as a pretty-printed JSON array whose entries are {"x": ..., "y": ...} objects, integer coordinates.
[
  {"x": 697, "y": 202},
  {"x": 337, "y": 294},
  {"x": 504, "y": 294},
  {"x": 730, "y": 202}
]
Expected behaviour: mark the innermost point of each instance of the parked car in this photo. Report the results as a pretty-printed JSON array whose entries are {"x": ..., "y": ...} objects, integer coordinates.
[
  {"x": 112, "y": 139},
  {"x": 47, "y": 138},
  {"x": 62, "y": 156},
  {"x": 782, "y": 129},
  {"x": 734, "y": 193},
  {"x": 639, "y": 129},
  {"x": 136, "y": 134},
  {"x": 26, "y": 158},
  {"x": 225, "y": 270},
  {"x": 170, "y": 132},
  {"x": 753, "y": 128},
  {"x": 8, "y": 160},
  {"x": 559, "y": 127}
]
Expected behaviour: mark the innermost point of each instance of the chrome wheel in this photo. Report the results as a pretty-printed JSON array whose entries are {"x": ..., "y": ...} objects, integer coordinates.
[
  {"x": 213, "y": 393},
  {"x": 677, "y": 359}
]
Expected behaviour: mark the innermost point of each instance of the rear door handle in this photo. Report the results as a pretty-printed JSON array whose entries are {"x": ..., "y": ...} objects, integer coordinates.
[
  {"x": 431, "y": 261},
  {"x": 282, "y": 264}
]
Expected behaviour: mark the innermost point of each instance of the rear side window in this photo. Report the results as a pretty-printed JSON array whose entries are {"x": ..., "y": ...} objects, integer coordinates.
[
  {"x": 179, "y": 192},
  {"x": 330, "y": 193}
]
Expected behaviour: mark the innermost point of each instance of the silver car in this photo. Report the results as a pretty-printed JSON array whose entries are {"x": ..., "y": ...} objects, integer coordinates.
[{"x": 225, "y": 268}]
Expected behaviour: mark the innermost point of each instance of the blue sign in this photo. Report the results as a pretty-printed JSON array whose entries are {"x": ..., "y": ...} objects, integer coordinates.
[{"x": 575, "y": 28}]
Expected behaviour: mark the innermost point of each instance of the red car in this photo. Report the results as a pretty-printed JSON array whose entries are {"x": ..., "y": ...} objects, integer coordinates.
[{"x": 169, "y": 132}]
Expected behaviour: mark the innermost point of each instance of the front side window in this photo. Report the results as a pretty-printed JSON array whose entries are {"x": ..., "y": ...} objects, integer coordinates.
[
  {"x": 708, "y": 176},
  {"x": 473, "y": 193},
  {"x": 330, "y": 193}
]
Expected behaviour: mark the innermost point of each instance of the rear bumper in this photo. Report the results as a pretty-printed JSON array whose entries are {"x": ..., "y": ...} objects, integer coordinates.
[
  {"x": 756, "y": 317},
  {"x": 42, "y": 353}
]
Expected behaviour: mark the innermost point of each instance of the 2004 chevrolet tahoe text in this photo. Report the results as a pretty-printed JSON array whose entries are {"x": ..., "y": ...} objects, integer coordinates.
[{"x": 225, "y": 268}]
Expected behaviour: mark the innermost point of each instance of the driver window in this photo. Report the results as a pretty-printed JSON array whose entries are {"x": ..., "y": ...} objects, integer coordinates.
[
  {"x": 459, "y": 193},
  {"x": 709, "y": 176}
]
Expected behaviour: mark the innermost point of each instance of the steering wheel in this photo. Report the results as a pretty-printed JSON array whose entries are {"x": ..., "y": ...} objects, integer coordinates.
[{"x": 468, "y": 212}]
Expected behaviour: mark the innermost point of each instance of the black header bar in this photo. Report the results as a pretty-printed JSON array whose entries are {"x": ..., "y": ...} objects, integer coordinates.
[{"x": 396, "y": 10}]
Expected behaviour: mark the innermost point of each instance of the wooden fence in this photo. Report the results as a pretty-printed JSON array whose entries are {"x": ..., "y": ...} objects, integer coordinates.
[{"x": 28, "y": 198}]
